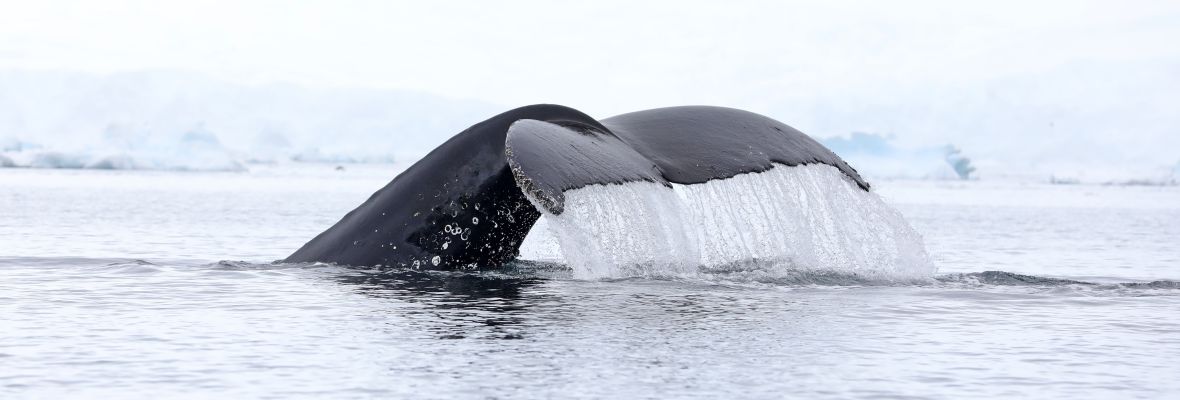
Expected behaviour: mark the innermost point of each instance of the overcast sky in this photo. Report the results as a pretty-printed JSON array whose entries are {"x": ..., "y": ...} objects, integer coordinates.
[{"x": 975, "y": 74}]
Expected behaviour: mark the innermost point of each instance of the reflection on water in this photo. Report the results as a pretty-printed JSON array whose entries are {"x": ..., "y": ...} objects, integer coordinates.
[
  {"x": 458, "y": 305},
  {"x": 417, "y": 285}
]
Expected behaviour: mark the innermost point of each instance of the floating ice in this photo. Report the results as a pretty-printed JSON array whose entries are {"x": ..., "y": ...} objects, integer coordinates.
[
  {"x": 130, "y": 148},
  {"x": 778, "y": 222}
]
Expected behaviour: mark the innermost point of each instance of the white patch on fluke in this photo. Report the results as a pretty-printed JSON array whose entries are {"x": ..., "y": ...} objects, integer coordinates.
[{"x": 781, "y": 221}]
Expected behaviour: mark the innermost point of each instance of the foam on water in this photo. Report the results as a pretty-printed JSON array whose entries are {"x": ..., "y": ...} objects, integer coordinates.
[{"x": 783, "y": 221}]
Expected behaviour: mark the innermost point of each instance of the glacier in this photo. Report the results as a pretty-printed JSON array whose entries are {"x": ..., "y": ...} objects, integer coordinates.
[{"x": 183, "y": 121}]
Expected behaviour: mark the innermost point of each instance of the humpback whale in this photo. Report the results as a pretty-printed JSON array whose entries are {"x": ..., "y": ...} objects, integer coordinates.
[{"x": 467, "y": 202}]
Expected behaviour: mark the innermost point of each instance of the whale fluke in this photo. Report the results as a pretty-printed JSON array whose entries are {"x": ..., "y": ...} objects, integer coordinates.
[
  {"x": 548, "y": 159},
  {"x": 464, "y": 204}
]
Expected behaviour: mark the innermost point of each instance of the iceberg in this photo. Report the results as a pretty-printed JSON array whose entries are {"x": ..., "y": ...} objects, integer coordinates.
[{"x": 877, "y": 156}]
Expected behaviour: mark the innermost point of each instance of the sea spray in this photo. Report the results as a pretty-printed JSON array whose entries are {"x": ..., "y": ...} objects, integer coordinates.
[
  {"x": 623, "y": 230},
  {"x": 786, "y": 220}
]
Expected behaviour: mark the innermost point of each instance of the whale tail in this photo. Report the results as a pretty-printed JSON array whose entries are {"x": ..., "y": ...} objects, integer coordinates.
[{"x": 472, "y": 201}]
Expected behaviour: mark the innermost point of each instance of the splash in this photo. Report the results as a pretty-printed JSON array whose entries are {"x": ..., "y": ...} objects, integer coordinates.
[{"x": 783, "y": 221}]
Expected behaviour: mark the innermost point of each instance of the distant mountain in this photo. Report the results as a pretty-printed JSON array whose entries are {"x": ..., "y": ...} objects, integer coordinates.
[{"x": 173, "y": 120}]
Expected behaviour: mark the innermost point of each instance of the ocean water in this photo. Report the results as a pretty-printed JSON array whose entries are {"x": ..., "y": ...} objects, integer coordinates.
[{"x": 134, "y": 284}]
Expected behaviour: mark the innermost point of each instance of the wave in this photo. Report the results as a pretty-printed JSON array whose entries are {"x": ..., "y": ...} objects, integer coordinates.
[
  {"x": 1001, "y": 278},
  {"x": 750, "y": 275}
]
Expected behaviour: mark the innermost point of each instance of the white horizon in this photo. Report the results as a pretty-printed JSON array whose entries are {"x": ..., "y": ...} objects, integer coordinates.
[{"x": 1014, "y": 83}]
